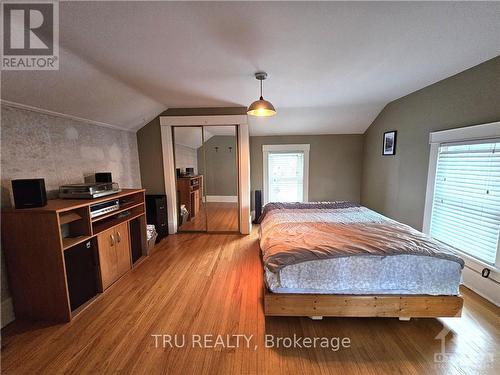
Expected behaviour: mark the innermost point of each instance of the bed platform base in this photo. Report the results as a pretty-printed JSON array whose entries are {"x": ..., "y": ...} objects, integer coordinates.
[{"x": 405, "y": 307}]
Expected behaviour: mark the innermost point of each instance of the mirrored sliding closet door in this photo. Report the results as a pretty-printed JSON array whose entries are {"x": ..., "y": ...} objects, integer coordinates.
[
  {"x": 206, "y": 162},
  {"x": 221, "y": 178},
  {"x": 188, "y": 140}
]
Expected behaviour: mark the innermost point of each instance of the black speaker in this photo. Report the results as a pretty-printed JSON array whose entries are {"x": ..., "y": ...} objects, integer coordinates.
[
  {"x": 258, "y": 205},
  {"x": 103, "y": 177},
  {"x": 29, "y": 193}
]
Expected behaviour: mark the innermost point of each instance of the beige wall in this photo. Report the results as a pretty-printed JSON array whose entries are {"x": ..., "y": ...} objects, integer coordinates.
[
  {"x": 334, "y": 164},
  {"x": 221, "y": 173},
  {"x": 151, "y": 158},
  {"x": 395, "y": 185},
  {"x": 61, "y": 151}
]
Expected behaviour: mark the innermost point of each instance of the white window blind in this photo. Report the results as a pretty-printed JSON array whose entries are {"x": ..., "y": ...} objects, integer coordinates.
[
  {"x": 466, "y": 204},
  {"x": 286, "y": 176}
]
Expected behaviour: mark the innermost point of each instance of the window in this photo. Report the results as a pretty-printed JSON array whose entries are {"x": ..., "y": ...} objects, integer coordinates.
[
  {"x": 286, "y": 176},
  {"x": 466, "y": 203},
  {"x": 285, "y": 173}
]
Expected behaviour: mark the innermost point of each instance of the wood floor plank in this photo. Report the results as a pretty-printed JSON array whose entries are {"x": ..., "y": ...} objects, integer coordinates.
[{"x": 212, "y": 284}]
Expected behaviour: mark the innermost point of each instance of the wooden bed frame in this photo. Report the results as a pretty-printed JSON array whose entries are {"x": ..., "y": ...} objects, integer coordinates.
[{"x": 403, "y": 307}]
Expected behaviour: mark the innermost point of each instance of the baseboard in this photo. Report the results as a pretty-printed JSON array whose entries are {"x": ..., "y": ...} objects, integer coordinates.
[
  {"x": 222, "y": 198},
  {"x": 486, "y": 288},
  {"x": 7, "y": 312}
]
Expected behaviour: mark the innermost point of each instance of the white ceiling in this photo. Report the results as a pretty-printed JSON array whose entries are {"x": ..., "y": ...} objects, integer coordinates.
[{"x": 332, "y": 66}]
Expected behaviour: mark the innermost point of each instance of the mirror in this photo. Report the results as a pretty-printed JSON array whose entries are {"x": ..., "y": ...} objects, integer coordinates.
[
  {"x": 220, "y": 169},
  {"x": 206, "y": 162},
  {"x": 189, "y": 179}
]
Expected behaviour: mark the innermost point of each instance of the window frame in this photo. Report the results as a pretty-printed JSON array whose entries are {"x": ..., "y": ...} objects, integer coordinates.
[
  {"x": 490, "y": 131},
  {"x": 266, "y": 149}
]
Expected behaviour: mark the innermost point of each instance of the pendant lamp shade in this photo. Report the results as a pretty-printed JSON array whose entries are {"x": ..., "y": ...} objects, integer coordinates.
[{"x": 261, "y": 107}]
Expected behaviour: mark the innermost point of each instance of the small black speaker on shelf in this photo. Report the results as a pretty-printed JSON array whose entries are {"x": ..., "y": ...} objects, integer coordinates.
[
  {"x": 29, "y": 193},
  {"x": 258, "y": 205},
  {"x": 103, "y": 177}
]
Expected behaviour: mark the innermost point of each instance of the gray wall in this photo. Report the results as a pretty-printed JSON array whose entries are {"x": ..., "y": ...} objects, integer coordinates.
[
  {"x": 151, "y": 157},
  {"x": 205, "y": 111},
  {"x": 62, "y": 151},
  {"x": 334, "y": 164},
  {"x": 149, "y": 143},
  {"x": 395, "y": 185},
  {"x": 221, "y": 174}
]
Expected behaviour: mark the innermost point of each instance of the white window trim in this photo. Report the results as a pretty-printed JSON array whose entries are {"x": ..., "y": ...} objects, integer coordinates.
[
  {"x": 470, "y": 133},
  {"x": 285, "y": 148}
]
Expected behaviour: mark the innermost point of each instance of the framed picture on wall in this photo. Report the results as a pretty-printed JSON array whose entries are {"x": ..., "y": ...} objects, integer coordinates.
[{"x": 389, "y": 145}]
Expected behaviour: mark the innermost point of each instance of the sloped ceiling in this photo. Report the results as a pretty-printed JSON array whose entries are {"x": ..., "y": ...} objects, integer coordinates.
[
  {"x": 194, "y": 138},
  {"x": 332, "y": 66}
]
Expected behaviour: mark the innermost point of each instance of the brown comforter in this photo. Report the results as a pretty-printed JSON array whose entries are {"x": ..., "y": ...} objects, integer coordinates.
[{"x": 293, "y": 233}]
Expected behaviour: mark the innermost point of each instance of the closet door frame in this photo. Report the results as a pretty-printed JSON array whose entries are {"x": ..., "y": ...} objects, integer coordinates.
[{"x": 240, "y": 121}]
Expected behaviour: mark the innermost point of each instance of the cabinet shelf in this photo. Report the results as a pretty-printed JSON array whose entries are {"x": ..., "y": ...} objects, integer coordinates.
[
  {"x": 69, "y": 217},
  {"x": 117, "y": 217},
  {"x": 72, "y": 241},
  {"x": 122, "y": 209}
]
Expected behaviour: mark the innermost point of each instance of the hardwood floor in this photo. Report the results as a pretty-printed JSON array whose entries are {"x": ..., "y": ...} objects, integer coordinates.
[
  {"x": 212, "y": 284},
  {"x": 222, "y": 216},
  {"x": 214, "y": 217},
  {"x": 197, "y": 223}
]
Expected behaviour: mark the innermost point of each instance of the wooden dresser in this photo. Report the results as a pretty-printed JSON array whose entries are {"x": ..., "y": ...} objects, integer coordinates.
[
  {"x": 189, "y": 190},
  {"x": 59, "y": 259}
]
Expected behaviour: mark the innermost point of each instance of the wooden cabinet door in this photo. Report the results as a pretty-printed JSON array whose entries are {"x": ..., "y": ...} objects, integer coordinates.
[
  {"x": 122, "y": 247},
  {"x": 106, "y": 241}
]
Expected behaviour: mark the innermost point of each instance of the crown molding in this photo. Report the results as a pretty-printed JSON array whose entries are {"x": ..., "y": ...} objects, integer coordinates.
[{"x": 8, "y": 103}]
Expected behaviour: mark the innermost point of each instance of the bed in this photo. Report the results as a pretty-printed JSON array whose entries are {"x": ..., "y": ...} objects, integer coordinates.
[{"x": 342, "y": 259}]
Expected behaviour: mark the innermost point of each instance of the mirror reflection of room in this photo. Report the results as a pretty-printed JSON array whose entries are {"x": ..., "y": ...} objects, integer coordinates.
[
  {"x": 220, "y": 170},
  {"x": 189, "y": 180}
]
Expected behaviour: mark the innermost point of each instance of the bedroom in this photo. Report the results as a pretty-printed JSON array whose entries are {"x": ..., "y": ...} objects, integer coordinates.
[{"x": 355, "y": 230}]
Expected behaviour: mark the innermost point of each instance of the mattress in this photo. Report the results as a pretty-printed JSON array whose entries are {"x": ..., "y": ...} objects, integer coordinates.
[
  {"x": 399, "y": 274},
  {"x": 344, "y": 248}
]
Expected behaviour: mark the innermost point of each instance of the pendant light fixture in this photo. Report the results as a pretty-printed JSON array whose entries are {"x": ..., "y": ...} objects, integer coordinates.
[{"x": 261, "y": 107}]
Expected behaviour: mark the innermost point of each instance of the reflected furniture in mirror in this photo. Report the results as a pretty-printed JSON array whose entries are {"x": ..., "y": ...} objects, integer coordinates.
[
  {"x": 189, "y": 194},
  {"x": 189, "y": 182}
]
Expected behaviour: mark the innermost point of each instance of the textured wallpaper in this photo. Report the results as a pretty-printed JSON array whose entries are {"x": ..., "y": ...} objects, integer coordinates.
[
  {"x": 63, "y": 151},
  {"x": 186, "y": 157}
]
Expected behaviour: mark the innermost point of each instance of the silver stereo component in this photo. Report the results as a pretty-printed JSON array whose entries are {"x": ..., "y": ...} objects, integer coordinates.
[
  {"x": 103, "y": 208},
  {"x": 88, "y": 191}
]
